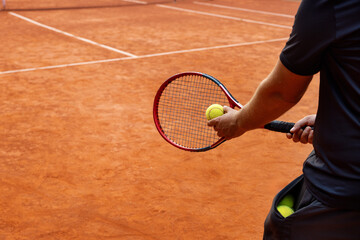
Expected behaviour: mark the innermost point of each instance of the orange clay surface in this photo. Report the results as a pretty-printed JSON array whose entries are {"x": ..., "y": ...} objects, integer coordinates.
[{"x": 80, "y": 157}]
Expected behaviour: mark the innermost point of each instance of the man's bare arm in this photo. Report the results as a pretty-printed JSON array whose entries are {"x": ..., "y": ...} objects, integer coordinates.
[{"x": 279, "y": 92}]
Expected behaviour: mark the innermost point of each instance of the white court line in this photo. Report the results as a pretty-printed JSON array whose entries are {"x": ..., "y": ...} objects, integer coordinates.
[
  {"x": 143, "y": 56},
  {"x": 135, "y": 1},
  {"x": 71, "y": 35},
  {"x": 214, "y": 47},
  {"x": 244, "y": 9},
  {"x": 66, "y": 65},
  {"x": 224, "y": 16}
]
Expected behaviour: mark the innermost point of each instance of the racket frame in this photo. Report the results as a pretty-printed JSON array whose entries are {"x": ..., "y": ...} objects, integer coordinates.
[{"x": 232, "y": 103}]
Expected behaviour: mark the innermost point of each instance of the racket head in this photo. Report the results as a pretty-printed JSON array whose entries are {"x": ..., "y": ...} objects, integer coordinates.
[{"x": 179, "y": 110}]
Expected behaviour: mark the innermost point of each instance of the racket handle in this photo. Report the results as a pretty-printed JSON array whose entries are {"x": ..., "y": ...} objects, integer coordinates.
[{"x": 280, "y": 126}]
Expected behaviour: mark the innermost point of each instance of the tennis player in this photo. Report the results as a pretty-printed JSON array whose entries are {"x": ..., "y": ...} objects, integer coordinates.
[{"x": 326, "y": 39}]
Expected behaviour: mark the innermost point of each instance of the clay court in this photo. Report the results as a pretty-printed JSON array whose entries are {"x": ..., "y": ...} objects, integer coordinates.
[{"x": 80, "y": 157}]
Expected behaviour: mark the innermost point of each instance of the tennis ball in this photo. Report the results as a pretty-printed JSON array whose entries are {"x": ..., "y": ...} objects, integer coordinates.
[
  {"x": 288, "y": 200},
  {"x": 285, "y": 211},
  {"x": 214, "y": 111}
]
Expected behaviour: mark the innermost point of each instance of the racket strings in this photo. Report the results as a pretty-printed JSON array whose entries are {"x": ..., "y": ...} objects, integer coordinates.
[{"x": 182, "y": 108}]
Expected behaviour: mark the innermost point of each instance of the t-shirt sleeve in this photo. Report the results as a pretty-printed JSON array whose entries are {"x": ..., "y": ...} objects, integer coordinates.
[{"x": 313, "y": 31}]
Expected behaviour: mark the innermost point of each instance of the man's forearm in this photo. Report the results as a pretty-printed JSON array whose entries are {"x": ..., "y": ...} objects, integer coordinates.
[{"x": 279, "y": 92}]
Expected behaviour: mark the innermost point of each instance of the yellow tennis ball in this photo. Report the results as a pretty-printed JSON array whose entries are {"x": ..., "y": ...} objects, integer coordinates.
[
  {"x": 288, "y": 200},
  {"x": 285, "y": 211},
  {"x": 214, "y": 111}
]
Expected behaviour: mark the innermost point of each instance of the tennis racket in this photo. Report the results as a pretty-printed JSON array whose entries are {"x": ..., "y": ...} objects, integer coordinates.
[{"x": 179, "y": 111}]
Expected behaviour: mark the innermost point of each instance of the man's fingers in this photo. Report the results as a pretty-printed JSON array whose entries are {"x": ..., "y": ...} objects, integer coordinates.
[
  {"x": 211, "y": 122},
  {"x": 297, "y": 126},
  {"x": 227, "y": 109},
  {"x": 304, "y": 138},
  {"x": 297, "y": 135},
  {"x": 289, "y": 135},
  {"x": 311, "y": 136}
]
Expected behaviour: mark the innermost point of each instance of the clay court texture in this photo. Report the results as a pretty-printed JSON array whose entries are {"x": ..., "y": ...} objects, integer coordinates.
[{"x": 80, "y": 157}]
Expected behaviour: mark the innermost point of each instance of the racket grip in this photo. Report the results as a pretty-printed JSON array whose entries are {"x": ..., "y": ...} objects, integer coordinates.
[{"x": 279, "y": 126}]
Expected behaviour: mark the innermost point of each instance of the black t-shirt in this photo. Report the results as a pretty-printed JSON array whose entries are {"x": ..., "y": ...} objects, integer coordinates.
[{"x": 326, "y": 38}]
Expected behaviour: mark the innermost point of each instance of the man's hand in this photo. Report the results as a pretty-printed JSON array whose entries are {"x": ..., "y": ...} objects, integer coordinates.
[
  {"x": 300, "y": 135},
  {"x": 227, "y": 125}
]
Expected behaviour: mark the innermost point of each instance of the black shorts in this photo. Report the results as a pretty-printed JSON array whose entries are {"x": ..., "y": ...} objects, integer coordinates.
[{"x": 311, "y": 219}]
